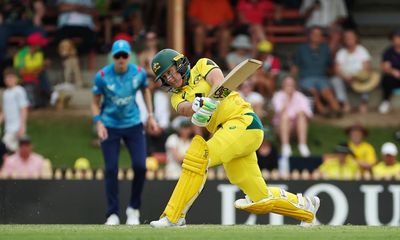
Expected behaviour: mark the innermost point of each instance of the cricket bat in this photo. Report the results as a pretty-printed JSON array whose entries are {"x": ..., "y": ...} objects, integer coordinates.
[{"x": 238, "y": 75}]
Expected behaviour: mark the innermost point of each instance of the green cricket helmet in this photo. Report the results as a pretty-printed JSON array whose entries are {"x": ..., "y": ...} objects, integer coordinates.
[{"x": 163, "y": 60}]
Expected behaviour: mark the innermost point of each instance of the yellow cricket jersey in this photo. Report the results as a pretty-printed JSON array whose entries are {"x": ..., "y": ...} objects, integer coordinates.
[
  {"x": 383, "y": 170},
  {"x": 332, "y": 169},
  {"x": 231, "y": 107},
  {"x": 364, "y": 152}
]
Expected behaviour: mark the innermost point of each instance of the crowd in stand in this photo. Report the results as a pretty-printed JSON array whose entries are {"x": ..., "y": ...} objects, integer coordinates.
[{"x": 286, "y": 92}]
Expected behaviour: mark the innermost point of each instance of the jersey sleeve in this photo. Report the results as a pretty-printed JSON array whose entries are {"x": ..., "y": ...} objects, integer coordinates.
[
  {"x": 98, "y": 84},
  {"x": 205, "y": 65},
  {"x": 176, "y": 99}
]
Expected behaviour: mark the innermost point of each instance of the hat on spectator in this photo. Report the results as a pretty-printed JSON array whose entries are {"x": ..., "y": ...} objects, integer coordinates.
[
  {"x": 121, "y": 46},
  {"x": 265, "y": 46},
  {"x": 242, "y": 42},
  {"x": 358, "y": 127},
  {"x": 36, "y": 39},
  {"x": 123, "y": 36},
  {"x": 389, "y": 148},
  {"x": 82, "y": 163},
  {"x": 343, "y": 148},
  {"x": 24, "y": 140},
  {"x": 395, "y": 33}
]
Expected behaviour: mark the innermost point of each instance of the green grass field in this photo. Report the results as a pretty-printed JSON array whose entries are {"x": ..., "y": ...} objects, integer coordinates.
[
  {"x": 208, "y": 232},
  {"x": 63, "y": 139}
]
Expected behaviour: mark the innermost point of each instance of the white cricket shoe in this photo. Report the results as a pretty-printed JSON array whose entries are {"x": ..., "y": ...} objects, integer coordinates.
[
  {"x": 132, "y": 216},
  {"x": 384, "y": 108},
  {"x": 113, "y": 219},
  {"x": 304, "y": 150},
  {"x": 313, "y": 207},
  {"x": 165, "y": 223},
  {"x": 286, "y": 150}
]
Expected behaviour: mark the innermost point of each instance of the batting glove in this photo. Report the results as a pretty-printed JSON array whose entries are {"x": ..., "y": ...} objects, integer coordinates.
[
  {"x": 205, "y": 103},
  {"x": 201, "y": 119}
]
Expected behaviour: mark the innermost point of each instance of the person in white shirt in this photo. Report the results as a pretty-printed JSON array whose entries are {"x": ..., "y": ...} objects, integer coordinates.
[
  {"x": 176, "y": 146},
  {"x": 323, "y": 13},
  {"x": 350, "y": 62},
  {"x": 15, "y": 110}
]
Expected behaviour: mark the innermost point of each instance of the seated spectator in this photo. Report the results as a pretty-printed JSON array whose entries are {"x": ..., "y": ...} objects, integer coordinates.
[
  {"x": 267, "y": 154},
  {"x": 242, "y": 46},
  {"x": 364, "y": 152},
  {"x": 176, "y": 146},
  {"x": 351, "y": 62},
  {"x": 162, "y": 113},
  {"x": 292, "y": 111},
  {"x": 24, "y": 163},
  {"x": 19, "y": 18},
  {"x": 388, "y": 167},
  {"x": 211, "y": 23},
  {"x": 251, "y": 16},
  {"x": 246, "y": 90},
  {"x": 30, "y": 62},
  {"x": 341, "y": 165},
  {"x": 15, "y": 110},
  {"x": 391, "y": 72},
  {"x": 266, "y": 76},
  {"x": 149, "y": 51},
  {"x": 76, "y": 21},
  {"x": 311, "y": 63},
  {"x": 329, "y": 15}
]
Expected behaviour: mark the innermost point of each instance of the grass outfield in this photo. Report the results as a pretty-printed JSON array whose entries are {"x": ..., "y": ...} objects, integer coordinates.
[
  {"x": 63, "y": 139},
  {"x": 207, "y": 232}
]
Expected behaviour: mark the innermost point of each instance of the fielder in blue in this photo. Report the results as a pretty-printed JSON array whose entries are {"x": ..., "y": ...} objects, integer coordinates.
[{"x": 118, "y": 119}]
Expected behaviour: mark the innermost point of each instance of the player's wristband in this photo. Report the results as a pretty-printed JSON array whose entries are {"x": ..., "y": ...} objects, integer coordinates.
[{"x": 96, "y": 118}]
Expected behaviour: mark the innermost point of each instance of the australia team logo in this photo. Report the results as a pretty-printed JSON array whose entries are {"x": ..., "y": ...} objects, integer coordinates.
[{"x": 156, "y": 67}]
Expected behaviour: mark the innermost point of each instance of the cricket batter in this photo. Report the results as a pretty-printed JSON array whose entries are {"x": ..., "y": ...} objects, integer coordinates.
[{"x": 237, "y": 134}]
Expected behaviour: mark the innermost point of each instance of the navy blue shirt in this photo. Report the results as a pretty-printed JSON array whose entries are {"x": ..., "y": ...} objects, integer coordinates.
[
  {"x": 313, "y": 62},
  {"x": 390, "y": 55},
  {"x": 119, "y": 108}
]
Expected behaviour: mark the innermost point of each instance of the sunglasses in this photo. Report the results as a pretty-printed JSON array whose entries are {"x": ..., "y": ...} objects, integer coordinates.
[{"x": 121, "y": 55}]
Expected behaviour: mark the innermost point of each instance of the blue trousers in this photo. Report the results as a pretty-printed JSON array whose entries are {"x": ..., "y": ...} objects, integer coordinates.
[{"x": 135, "y": 141}]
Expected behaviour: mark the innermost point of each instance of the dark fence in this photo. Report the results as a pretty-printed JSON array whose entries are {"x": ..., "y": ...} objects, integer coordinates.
[{"x": 83, "y": 202}]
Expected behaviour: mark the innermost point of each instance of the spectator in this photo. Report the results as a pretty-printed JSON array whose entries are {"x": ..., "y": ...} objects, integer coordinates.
[
  {"x": 388, "y": 167},
  {"x": 19, "y": 18},
  {"x": 391, "y": 72},
  {"x": 351, "y": 62},
  {"x": 312, "y": 62},
  {"x": 24, "y": 163},
  {"x": 150, "y": 49},
  {"x": 30, "y": 62},
  {"x": 323, "y": 13},
  {"x": 76, "y": 21},
  {"x": 267, "y": 154},
  {"x": 292, "y": 111},
  {"x": 15, "y": 110},
  {"x": 251, "y": 14},
  {"x": 327, "y": 14},
  {"x": 364, "y": 152},
  {"x": 119, "y": 120},
  {"x": 341, "y": 165},
  {"x": 266, "y": 77},
  {"x": 162, "y": 113},
  {"x": 256, "y": 100},
  {"x": 207, "y": 23},
  {"x": 242, "y": 46},
  {"x": 176, "y": 146}
]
